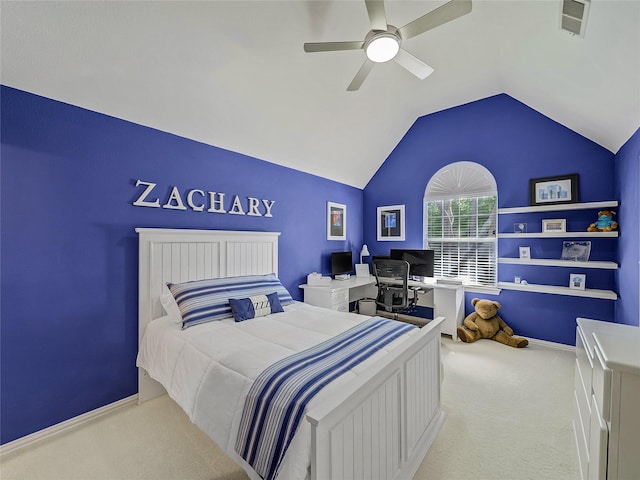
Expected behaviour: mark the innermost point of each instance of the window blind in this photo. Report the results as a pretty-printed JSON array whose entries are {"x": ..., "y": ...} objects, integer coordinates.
[{"x": 462, "y": 233}]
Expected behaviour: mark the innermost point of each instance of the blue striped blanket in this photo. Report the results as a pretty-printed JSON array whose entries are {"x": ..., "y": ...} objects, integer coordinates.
[{"x": 277, "y": 400}]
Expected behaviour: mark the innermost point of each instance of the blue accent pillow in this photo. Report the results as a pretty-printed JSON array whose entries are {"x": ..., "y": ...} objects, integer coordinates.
[
  {"x": 255, "y": 306},
  {"x": 203, "y": 301}
]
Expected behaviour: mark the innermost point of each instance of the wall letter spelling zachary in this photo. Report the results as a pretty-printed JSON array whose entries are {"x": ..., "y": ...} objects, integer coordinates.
[
  {"x": 197, "y": 208},
  {"x": 141, "y": 201},
  {"x": 236, "y": 207},
  {"x": 268, "y": 204},
  {"x": 254, "y": 211},
  {"x": 219, "y": 203},
  {"x": 174, "y": 196}
]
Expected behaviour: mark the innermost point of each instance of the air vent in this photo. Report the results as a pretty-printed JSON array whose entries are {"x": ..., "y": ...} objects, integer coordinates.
[{"x": 573, "y": 18}]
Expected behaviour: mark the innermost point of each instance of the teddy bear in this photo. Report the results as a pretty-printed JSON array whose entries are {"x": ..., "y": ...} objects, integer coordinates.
[
  {"x": 484, "y": 323},
  {"x": 605, "y": 222}
]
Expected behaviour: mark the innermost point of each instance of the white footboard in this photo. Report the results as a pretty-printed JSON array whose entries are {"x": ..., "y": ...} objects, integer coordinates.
[{"x": 389, "y": 420}]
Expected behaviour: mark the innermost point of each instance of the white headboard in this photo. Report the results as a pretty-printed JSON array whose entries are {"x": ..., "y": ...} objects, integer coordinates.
[{"x": 180, "y": 255}]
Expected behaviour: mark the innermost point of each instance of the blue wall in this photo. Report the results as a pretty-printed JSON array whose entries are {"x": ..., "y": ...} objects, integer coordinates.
[
  {"x": 627, "y": 187},
  {"x": 69, "y": 250},
  {"x": 515, "y": 143}
]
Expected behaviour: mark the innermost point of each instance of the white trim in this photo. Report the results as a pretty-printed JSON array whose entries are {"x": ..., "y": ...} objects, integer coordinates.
[
  {"x": 65, "y": 426},
  {"x": 548, "y": 344}
]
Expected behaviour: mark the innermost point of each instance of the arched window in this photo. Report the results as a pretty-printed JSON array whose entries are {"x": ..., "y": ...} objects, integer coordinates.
[{"x": 460, "y": 217}]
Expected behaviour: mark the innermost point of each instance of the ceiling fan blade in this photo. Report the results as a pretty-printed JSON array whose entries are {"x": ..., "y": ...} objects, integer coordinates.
[
  {"x": 366, "y": 67},
  {"x": 413, "y": 64},
  {"x": 441, "y": 15},
  {"x": 377, "y": 17},
  {"x": 332, "y": 46}
]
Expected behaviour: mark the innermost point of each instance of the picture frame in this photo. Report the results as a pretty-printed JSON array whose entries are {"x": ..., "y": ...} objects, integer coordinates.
[
  {"x": 525, "y": 252},
  {"x": 576, "y": 251},
  {"x": 577, "y": 281},
  {"x": 390, "y": 223},
  {"x": 520, "y": 227},
  {"x": 336, "y": 221},
  {"x": 553, "y": 190},
  {"x": 554, "y": 225}
]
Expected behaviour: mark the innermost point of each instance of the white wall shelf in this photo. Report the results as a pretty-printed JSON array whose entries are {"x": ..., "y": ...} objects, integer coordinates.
[
  {"x": 558, "y": 208},
  {"x": 550, "y": 262},
  {"x": 556, "y": 290},
  {"x": 559, "y": 235}
]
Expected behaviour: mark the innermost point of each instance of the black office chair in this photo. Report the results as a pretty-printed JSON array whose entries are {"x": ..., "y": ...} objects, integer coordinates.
[{"x": 394, "y": 294}]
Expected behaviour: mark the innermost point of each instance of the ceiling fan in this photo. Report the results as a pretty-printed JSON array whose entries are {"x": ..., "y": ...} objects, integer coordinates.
[{"x": 383, "y": 42}]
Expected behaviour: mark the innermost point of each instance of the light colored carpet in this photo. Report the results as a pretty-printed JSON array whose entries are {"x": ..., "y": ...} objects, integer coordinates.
[{"x": 509, "y": 417}]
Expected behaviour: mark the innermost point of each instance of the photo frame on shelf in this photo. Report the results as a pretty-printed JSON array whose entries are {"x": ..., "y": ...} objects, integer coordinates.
[
  {"x": 525, "y": 252},
  {"x": 577, "y": 281},
  {"x": 520, "y": 227},
  {"x": 336, "y": 221},
  {"x": 553, "y": 190},
  {"x": 576, "y": 251},
  {"x": 390, "y": 223},
  {"x": 554, "y": 225}
]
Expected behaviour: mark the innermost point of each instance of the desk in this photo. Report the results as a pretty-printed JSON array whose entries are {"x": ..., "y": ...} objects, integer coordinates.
[
  {"x": 339, "y": 293},
  {"x": 446, "y": 300}
]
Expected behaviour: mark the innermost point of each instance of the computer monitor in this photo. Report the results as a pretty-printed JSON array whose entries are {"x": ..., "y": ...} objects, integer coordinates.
[
  {"x": 421, "y": 262},
  {"x": 341, "y": 263}
]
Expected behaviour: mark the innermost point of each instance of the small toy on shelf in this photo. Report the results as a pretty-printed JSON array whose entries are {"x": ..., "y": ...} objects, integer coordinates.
[{"x": 605, "y": 222}]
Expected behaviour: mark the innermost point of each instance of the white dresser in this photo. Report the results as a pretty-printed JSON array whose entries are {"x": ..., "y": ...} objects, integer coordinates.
[{"x": 607, "y": 400}]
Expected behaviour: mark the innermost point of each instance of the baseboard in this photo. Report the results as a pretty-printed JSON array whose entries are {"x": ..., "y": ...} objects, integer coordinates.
[
  {"x": 546, "y": 343},
  {"x": 65, "y": 426}
]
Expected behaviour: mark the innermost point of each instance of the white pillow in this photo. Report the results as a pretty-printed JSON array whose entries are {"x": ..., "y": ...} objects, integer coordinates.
[{"x": 170, "y": 306}]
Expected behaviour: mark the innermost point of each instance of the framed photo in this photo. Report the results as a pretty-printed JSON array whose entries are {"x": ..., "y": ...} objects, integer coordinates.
[
  {"x": 576, "y": 251},
  {"x": 336, "y": 221},
  {"x": 525, "y": 252},
  {"x": 577, "y": 281},
  {"x": 553, "y": 190},
  {"x": 391, "y": 223},
  {"x": 520, "y": 227},
  {"x": 555, "y": 225}
]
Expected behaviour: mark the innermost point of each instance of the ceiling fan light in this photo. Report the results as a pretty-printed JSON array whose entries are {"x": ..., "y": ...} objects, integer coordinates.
[{"x": 382, "y": 48}]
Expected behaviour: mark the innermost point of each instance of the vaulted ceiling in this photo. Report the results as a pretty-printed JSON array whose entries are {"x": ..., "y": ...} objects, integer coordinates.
[{"x": 234, "y": 74}]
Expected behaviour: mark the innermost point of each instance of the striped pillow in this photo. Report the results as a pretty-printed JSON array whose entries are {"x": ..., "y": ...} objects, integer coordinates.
[{"x": 203, "y": 301}]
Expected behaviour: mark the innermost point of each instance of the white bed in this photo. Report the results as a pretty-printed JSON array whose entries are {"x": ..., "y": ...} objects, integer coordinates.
[{"x": 376, "y": 421}]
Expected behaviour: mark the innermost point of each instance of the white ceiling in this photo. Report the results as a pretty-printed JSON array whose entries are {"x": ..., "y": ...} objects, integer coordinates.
[{"x": 234, "y": 74}]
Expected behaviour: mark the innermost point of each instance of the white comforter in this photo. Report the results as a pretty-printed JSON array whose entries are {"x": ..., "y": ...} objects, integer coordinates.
[{"x": 208, "y": 369}]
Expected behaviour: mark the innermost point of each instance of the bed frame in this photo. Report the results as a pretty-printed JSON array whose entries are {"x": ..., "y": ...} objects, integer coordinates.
[{"x": 385, "y": 422}]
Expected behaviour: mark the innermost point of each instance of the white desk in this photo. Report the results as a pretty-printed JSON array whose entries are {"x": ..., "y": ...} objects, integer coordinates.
[
  {"x": 446, "y": 300},
  {"x": 339, "y": 293}
]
